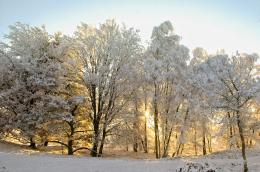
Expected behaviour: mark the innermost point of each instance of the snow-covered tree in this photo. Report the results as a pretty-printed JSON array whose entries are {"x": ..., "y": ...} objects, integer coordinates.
[
  {"x": 106, "y": 53},
  {"x": 230, "y": 85},
  {"x": 165, "y": 61},
  {"x": 31, "y": 77},
  {"x": 98, "y": 87}
]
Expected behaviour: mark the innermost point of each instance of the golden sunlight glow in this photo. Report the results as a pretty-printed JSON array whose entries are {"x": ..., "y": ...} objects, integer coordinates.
[{"x": 146, "y": 113}]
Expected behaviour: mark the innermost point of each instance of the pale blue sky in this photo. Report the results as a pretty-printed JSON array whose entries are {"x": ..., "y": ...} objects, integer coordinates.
[{"x": 212, "y": 24}]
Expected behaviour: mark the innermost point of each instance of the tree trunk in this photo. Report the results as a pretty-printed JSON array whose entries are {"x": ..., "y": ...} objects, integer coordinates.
[
  {"x": 164, "y": 136},
  {"x": 145, "y": 136},
  {"x": 32, "y": 143},
  {"x": 204, "y": 144},
  {"x": 174, "y": 153},
  {"x": 195, "y": 140},
  {"x": 71, "y": 136},
  {"x": 204, "y": 149},
  {"x": 104, "y": 133},
  {"x": 181, "y": 144},
  {"x": 230, "y": 131},
  {"x": 156, "y": 126},
  {"x": 70, "y": 147},
  {"x": 45, "y": 143},
  {"x": 145, "y": 128},
  {"x": 209, "y": 143},
  {"x": 156, "y": 132},
  {"x": 165, "y": 153},
  {"x": 136, "y": 126},
  {"x": 100, "y": 152},
  {"x": 180, "y": 149},
  {"x": 241, "y": 134},
  {"x": 135, "y": 147},
  {"x": 96, "y": 119},
  {"x": 95, "y": 140}
]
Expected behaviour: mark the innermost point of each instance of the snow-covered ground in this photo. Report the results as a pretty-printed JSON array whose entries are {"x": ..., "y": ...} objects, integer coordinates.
[{"x": 14, "y": 160}]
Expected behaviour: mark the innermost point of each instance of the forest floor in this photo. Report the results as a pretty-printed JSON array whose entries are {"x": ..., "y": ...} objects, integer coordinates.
[{"x": 15, "y": 158}]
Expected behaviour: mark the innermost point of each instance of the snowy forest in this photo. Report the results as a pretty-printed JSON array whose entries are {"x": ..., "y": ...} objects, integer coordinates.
[{"x": 101, "y": 90}]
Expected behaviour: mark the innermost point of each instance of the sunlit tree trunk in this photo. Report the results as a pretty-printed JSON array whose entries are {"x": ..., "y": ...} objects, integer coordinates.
[
  {"x": 168, "y": 136},
  {"x": 167, "y": 143},
  {"x": 204, "y": 150},
  {"x": 195, "y": 140},
  {"x": 230, "y": 131},
  {"x": 181, "y": 144},
  {"x": 209, "y": 143},
  {"x": 145, "y": 136},
  {"x": 182, "y": 149}
]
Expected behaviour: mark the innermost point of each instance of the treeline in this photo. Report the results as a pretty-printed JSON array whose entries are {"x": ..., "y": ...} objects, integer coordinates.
[{"x": 102, "y": 86}]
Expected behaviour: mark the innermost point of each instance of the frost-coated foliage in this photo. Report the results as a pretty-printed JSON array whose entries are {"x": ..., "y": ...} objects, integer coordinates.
[
  {"x": 229, "y": 83},
  {"x": 102, "y": 82},
  {"x": 32, "y": 75}
]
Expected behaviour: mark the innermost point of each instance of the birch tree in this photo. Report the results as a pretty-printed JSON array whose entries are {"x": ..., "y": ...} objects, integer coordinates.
[{"x": 165, "y": 62}]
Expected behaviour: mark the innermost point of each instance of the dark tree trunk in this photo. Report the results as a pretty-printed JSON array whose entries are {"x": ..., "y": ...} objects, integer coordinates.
[
  {"x": 204, "y": 149},
  {"x": 96, "y": 120},
  {"x": 70, "y": 147},
  {"x": 145, "y": 128},
  {"x": 135, "y": 147},
  {"x": 156, "y": 125},
  {"x": 95, "y": 140},
  {"x": 195, "y": 141},
  {"x": 71, "y": 136},
  {"x": 46, "y": 143},
  {"x": 180, "y": 149},
  {"x": 145, "y": 137},
  {"x": 204, "y": 144},
  {"x": 241, "y": 134},
  {"x": 174, "y": 153},
  {"x": 32, "y": 144},
  {"x": 230, "y": 131},
  {"x": 165, "y": 136},
  {"x": 102, "y": 141},
  {"x": 209, "y": 143},
  {"x": 165, "y": 153},
  {"x": 156, "y": 132},
  {"x": 136, "y": 127}
]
